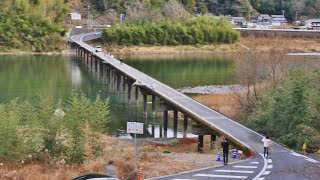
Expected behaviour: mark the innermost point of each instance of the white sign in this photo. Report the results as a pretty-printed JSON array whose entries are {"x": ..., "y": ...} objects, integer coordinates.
[{"x": 135, "y": 127}]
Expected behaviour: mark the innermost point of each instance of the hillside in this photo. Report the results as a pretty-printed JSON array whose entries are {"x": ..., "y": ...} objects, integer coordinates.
[
  {"x": 32, "y": 25},
  {"x": 291, "y": 8},
  {"x": 39, "y": 25}
]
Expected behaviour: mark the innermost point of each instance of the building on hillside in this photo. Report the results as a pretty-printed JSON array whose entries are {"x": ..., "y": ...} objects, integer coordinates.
[
  {"x": 278, "y": 20},
  {"x": 313, "y": 24},
  {"x": 74, "y": 16},
  {"x": 228, "y": 18},
  {"x": 264, "y": 18},
  {"x": 237, "y": 20}
]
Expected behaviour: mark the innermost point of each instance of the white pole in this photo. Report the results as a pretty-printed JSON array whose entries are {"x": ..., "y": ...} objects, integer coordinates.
[{"x": 135, "y": 152}]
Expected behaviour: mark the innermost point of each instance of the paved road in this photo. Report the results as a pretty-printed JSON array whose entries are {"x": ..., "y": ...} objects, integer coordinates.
[
  {"x": 282, "y": 158},
  {"x": 280, "y": 166}
]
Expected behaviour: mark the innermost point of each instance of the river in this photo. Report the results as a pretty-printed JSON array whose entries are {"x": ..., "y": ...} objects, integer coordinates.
[{"x": 27, "y": 76}]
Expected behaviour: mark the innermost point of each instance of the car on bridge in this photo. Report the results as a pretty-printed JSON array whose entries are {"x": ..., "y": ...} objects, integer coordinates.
[{"x": 98, "y": 49}]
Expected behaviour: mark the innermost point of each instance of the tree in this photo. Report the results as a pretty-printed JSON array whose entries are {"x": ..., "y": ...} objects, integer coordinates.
[
  {"x": 202, "y": 8},
  {"x": 174, "y": 10},
  {"x": 189, "y": 5}
]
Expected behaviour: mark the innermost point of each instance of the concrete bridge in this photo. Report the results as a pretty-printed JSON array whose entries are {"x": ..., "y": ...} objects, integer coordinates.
[
  {"x": 120, "y": 75},
  {"x": 171, "y": 100}
]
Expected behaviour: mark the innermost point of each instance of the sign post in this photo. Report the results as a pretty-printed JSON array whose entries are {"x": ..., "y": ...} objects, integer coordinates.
[
  {"x": 121, "y": 18},
  {"x": 135, "y": 128}
]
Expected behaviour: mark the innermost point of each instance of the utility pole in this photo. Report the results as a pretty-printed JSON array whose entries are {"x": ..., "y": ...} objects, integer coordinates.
[
  {"x": 88, "y": 18},
  {"x": 249, "y": 13}
]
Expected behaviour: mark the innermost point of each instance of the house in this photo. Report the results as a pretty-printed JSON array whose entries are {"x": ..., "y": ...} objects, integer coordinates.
[
  {"x": 74, "y": 16},
  {"x": 237, "y": 20},
  {"x": 278, "y": 19},
  {"x": 264, "y": 18},
  {"x": 313, "y": 24}
]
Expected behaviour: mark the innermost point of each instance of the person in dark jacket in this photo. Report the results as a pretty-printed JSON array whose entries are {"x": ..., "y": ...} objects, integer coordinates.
[{"x": 225, "y": 146}]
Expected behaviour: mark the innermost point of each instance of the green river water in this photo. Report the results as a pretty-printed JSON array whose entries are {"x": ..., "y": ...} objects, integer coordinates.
[{"x": 27, "y": 76}]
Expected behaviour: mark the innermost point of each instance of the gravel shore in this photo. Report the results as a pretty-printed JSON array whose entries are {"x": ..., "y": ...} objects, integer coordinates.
[{"x": 212, "y": 89}]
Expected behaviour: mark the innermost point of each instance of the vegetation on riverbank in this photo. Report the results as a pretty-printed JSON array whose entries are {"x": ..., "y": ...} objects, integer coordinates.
[
  {"x": 281, "y": 99},
  {"x": 32, "y": 25},
  {"x": 197, "y": 31},
  {"x": 65, "y": 132}
]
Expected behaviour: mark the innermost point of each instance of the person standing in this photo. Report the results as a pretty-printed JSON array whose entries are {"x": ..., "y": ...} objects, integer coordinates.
[
  {"x": 266, "y": 143},
  {"x": 225, "y": 146},
  {"x": 111, "y": 169}
]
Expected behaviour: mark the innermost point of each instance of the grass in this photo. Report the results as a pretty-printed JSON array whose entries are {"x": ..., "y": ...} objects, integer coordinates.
[{"x": 151, "y": 158}]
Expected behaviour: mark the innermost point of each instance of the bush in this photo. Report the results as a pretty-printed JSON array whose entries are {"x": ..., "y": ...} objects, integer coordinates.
[
  {"x": 290, "y": 114},
  {"x": 33, "y": 129},
  {"x": 200, "y": 30}
]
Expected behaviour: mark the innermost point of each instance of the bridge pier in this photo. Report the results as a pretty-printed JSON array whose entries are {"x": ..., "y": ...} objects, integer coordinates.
[
  {"x": 87, "y": 58},
  {"x": 165, "y": 108},
  {"x": 153, "y": 106},
  {"x": 118, "y": 77},
  {"x": 108, "y": 73},
  {"x": 129, "y": 92},
  {"x": 144, "y": 105},
  {"x": 165, "y": 123},
  {"x": 114, "y": 77},
  {"x": 95, "y": 65},
  {"x": 123, "y": 83},
  {"x": 185, "y": 125},
  {"x": 137, "y": 95},
  {"x": 101, "y": 64},
  {"x": 200, "y": 143},
  {"x": 175, "y": 123},
  {"x": 91, "y": 59}
]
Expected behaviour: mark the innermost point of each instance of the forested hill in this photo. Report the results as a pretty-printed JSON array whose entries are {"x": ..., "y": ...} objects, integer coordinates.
[
  {"x": 32, "y": 25},
  {"x": 39, "y": 25},
  {"x": 302, "y": 8}
]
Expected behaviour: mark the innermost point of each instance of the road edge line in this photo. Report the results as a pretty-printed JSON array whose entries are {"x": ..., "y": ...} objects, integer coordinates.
[{"x": 263, "y": 169}]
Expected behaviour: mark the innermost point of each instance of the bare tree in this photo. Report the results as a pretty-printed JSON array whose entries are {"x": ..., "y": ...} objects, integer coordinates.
[
  {"x": 174, "y": 10},
  {"x": 138, "y": 13},
  {"x": 249, "y": 75},
  {"x": 274, "y": 63}
]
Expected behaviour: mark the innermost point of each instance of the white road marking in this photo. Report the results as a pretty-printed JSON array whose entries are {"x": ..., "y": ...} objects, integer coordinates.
[
  {"x": 296, "y": 154},
  {"x": 235, "y": 171},
  {"x": 269, "y": 160},
  {"x": 269, "y": 166},
  {"x": 311, "y": 160},
  {"x": 254, "y": 162},
  {"x": 307, "y": 158},
  {"x": 262, "y": 178},
  {"x": 263, "y": 169},
  {"x": 221, "y": 176},
  {"x": 266, "y": 173},
  {"x": 251, "y": 167}
]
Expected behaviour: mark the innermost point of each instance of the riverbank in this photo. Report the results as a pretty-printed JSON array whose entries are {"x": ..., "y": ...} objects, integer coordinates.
[
  {"x": 256, "y": 44},
  {"x": 260, "y": 45},
  {"x": 64, "y": 52}
]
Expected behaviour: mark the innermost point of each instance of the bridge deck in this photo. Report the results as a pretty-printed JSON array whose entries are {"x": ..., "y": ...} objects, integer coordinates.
[{"x": 199, "y": 112}]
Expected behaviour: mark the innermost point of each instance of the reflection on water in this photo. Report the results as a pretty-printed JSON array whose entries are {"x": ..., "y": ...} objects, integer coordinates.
[{"x": 186, "y": 70}]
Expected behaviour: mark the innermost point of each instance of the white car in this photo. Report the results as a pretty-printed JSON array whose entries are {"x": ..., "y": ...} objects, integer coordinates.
[{"x": 98, "y": 49}]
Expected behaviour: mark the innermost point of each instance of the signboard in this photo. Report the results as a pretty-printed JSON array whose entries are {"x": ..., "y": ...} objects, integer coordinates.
[
  {"x": 135, "y": 127},
  {"x": 121, "y": 16}
]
